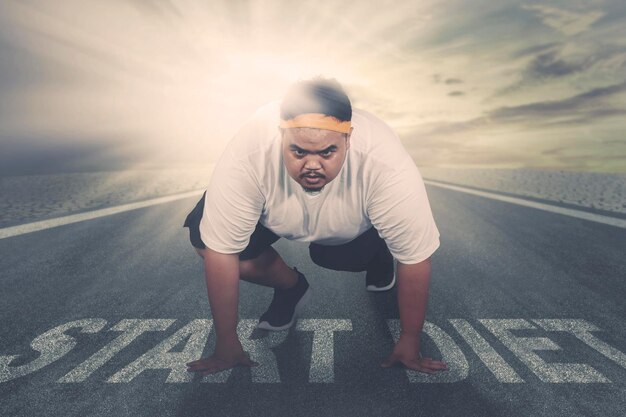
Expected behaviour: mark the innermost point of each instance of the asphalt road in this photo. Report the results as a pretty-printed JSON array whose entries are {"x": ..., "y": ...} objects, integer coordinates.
[{"x": 527, "y": 307}]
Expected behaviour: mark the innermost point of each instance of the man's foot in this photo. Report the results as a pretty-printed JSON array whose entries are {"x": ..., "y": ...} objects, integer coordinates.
[
  {"x": 286, "y": 305},
  {"x": 380, "y": 276}
]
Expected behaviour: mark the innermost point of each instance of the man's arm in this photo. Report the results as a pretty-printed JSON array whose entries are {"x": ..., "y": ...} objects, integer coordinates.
[
  {"x": 221, "y": 273},
  {"x": 413, "y": 281}
]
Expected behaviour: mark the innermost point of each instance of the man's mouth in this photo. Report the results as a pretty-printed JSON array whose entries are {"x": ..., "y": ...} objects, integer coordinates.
[{"x": 312, "y": 179}]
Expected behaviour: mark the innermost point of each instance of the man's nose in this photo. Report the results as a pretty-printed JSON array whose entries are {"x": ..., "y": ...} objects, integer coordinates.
[{"x": 312, "y": 162}]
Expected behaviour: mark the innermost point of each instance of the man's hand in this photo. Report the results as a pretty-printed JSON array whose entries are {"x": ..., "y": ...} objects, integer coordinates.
[
  {"x": 406, "y": 352},
  {"x": 214, "y": 364},
  {"x": 226, "y": 356}
]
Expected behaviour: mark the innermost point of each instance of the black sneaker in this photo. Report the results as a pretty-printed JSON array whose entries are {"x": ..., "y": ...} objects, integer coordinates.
[
  {"x": 380, "y": 275},
  {"x": 285, "y": 305}
]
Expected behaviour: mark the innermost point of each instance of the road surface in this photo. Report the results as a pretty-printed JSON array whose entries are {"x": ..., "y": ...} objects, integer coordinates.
[{"x": 527, "y": 307}]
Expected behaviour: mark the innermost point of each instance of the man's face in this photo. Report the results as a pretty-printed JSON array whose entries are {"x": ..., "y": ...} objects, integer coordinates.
[{"x": 314, "y": 157}]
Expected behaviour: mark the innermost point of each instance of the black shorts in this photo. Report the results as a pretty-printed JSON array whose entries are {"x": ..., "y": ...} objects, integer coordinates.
[{"x": 352, "y": 256}]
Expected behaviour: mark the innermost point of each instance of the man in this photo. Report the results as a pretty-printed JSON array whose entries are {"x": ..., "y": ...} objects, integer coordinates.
[{"x": 312, "y": 170}]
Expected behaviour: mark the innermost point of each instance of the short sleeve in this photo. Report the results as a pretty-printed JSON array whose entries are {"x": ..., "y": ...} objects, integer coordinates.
[
  {"x": 399, "y": 209},
  {"x": 232, "y": 206}
]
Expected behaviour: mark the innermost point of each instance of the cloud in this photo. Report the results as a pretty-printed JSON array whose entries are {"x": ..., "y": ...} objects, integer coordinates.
[
  {"x": 565, "y": 21},
  {"x": 555, "y": 151},
  {"x": 438, "y": 79},
  {"x": 557, "y": 64},
  {"x": 581, "y": 109},
  {"x": 456, "y": 93},
  {"x": 533, "y": 50},
  {"x": 550, "y": 65},
  {"x": 568, "y": 106}
]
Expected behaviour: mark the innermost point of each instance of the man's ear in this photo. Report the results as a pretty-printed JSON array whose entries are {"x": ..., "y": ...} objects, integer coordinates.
[{"x": 348, "y": 135}]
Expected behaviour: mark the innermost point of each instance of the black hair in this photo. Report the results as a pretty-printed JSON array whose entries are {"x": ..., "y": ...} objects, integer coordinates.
[{"x": 318, "y": 95}]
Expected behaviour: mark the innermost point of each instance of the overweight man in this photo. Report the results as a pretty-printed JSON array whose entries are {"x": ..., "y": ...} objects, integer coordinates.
[{"x": 313, "y": 169}]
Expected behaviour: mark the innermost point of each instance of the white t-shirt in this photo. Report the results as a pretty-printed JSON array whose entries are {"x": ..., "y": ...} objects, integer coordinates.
[{"x": 378, "y": 185}]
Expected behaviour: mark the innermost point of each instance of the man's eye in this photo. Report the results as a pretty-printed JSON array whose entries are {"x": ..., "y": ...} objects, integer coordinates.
[
  {"x": 299, "y": 152},
  {"x": 326, "y": 153}
]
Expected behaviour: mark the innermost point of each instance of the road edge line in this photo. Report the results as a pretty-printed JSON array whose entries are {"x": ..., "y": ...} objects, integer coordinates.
[
  {"x": 21, "y": 229},
  {"x": 598, "y": 218}
]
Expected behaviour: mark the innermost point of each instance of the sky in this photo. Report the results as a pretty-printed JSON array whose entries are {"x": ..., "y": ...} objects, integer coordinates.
[{"x": 88, "y": 85}]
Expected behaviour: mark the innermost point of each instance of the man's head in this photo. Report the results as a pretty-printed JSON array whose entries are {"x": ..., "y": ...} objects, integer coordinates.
[{"x": 315, "y": 129}]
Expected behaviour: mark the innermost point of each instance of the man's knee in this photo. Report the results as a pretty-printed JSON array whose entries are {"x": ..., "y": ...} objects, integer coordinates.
[
  {"x": 255, "y": 266},
  {"x": 247, "y": 268},
  {"x": 336, "y": 260},
  {"x": 320, "y": 256}
]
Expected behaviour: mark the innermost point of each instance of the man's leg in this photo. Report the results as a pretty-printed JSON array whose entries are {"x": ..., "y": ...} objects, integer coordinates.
[
  {"x": 367, "y": 252},
  {"x": 291, "y": 289},
  {"x": 259, "y": 263},
  {"x": 267, "y": 269}
]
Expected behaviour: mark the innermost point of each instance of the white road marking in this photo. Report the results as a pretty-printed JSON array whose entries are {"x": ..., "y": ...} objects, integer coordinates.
[
  {"x": 322, "y": 353},
  {"x": 494, "y": 362},
  {"x": 598, "y": 218},
  {"x": 89, "y": 215},
  {"x": 52, "y": 345},
  {"x": 580, "y": 329},
  {"x": 260, "y": 348},
  {"x": 458, "y": 368},
  {"x": 524, "y": 347},
  {"x": 131, "y": 328},
  {"x": 161, "y": 357},
  {"x": 55, "y": 343}
]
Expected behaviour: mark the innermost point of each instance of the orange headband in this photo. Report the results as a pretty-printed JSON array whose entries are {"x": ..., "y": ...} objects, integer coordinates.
[{"x": 317, "y": 121}]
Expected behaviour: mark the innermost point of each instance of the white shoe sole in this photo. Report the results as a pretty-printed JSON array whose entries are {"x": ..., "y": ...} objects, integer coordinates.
[
  {"x": 374, "y": 288},
  {"x": 305, "y": 299}
]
